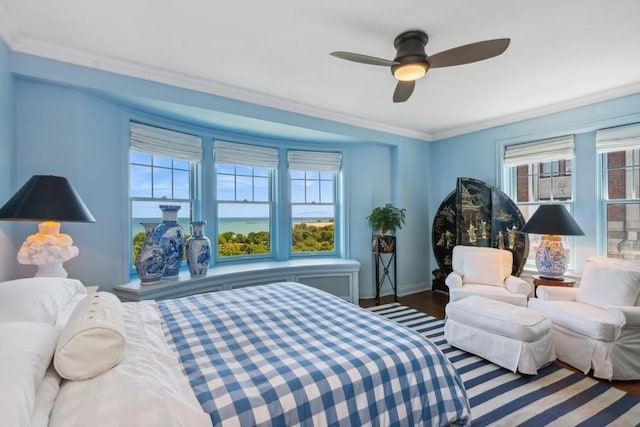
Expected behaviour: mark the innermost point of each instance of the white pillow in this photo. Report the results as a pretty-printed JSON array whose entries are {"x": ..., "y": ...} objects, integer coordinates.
[
  {"x": 26, "y": 349},
  {"x": 36, "y": 299},
  {"x": 483, "y": 268},
  {"x": 608, "y": 283},
  {"x": 93, "y": 340},
  {"x": 45, "y": 398}
]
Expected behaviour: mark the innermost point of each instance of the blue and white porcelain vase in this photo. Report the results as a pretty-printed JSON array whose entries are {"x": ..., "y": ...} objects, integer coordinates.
[
  {"x": 170, "y": 235},
  {"x": 198, "y": 249},
  {"x": 150, "y": 261}
]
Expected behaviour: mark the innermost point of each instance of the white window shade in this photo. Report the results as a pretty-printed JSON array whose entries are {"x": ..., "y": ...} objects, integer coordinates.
[
  {"x": 315, "y": 161},
  {"x": 245, "y": 155},
  {"x": 166, "y": 143},
  {"x": 545, "y": 150},
  {"x": 620, "y": 138}
]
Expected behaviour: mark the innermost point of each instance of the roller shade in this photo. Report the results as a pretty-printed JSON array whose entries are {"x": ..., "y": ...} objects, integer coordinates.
[
  {"x": 620, "y": 138},
  {"x": 166, "y": 143},
  {"x": 245, "y": 155},
  {"x": 545, "y": 150},
  {"x": 314, "y": 161}
]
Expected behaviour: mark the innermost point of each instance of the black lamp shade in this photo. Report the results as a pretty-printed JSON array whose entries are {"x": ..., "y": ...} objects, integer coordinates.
[
  {"x": 46, "y": 198},
  {"x": 552, "y": 219}
]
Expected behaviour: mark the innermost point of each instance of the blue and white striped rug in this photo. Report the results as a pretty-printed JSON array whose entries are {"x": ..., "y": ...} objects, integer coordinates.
[{"x": 556, "y": 396}]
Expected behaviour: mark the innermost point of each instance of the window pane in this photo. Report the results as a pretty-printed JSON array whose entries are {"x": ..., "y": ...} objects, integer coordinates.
[
  {"x": 326, "y": 175},
  {"x": 313, "y": 192},
  {"x": 160, "y": 161},
  {"x": 222, "y": 168},
  {"x": 623, "y": 227},
  {"x": 326, "y": 192},
  {"x": 313, "y": 228},
  {"x": 296, "y": 174},
  {"x": 243, "y": 229},
  {"x": 244, "y": 188},
  {"x": 139, "y": 181},
  {"x": 140, "y": 158},
  {"x": 264, "y": 172},
  {"x": 181, "y": 164},
  {"x": 297, "y": 191},
  {"x": 244, "y": 170},
  {"x": 261, "y": 189},
  {"x": 162, "y": 183},
  {"x": 226, "y": 189},
  {"x": 313, "y": 175},
  {"x": 181, "y": 184}
]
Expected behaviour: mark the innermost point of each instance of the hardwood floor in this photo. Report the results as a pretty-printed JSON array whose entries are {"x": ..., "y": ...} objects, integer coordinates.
[{"x": 433, "y": 304}]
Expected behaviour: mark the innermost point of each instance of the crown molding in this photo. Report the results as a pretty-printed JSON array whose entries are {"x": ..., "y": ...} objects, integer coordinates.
[
  {"x": 558, "y": 107},
  {"x": 10, "y": 35},
  {"x": 159, "y": 75}
]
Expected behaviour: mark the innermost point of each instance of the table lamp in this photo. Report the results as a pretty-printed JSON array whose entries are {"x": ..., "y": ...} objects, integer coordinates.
[
  {"x": 50, "y": 199},
  {"x": 551, "y": 222}
]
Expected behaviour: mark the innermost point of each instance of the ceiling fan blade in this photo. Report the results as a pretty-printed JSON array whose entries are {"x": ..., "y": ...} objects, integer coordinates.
[
  {"x": 469, "y": 53},
  {"x": 364, "y": 59},
  {"x": 403, "y": 91}
]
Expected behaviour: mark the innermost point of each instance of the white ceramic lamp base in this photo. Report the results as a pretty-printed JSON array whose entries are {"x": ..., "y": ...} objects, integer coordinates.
[
  {"x": 48, "y": 249},
  {"x": 551, "y": 260}
]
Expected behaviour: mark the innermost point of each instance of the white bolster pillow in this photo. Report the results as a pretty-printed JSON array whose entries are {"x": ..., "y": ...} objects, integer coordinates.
[{"x": 93, "y": 340}]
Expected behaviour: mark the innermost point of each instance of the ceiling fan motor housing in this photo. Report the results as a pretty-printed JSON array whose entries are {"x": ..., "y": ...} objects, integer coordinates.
[{"x": 410, "y": 49}]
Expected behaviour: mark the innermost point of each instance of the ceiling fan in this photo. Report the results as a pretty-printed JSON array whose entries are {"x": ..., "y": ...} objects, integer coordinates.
[{"x": 411, "y": 61}]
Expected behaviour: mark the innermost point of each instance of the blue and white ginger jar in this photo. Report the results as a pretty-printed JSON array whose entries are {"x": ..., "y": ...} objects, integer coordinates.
[
  {"x": 198, "y": 250},
  {"x": 170, "y": 235},
  {"x": 150, "y": 261}
]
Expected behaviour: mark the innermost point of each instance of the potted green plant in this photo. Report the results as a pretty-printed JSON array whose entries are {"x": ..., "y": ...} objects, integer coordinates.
[{"x": 387, "y": 219}]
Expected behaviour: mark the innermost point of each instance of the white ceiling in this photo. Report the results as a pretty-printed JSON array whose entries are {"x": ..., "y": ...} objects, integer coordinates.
[{"x": 563, "y": 54}]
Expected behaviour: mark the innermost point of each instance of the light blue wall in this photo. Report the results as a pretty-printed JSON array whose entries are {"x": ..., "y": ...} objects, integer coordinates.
[
  {"x": 7, "y": 163},
  {"x": 71, "y": 121},
  {"x": 477, "y": 155},
  {"x": 66, "y": 132}
]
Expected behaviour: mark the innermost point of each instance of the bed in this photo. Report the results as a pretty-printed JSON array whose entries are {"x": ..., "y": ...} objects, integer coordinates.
[{"x": 272, "y": 355}]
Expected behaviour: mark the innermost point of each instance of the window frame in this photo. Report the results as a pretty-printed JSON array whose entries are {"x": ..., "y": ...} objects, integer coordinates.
[
  {"x": 510, "y": 186},
  {"x": 606, "y": 201},
  {"x": 218, "y": 259},
  {"x": 192, "y": 200},
  {"x": 334, "y": 181}
]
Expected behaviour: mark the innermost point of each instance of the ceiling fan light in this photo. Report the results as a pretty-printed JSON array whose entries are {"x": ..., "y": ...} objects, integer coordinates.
[{"x": 410, "y": 72}]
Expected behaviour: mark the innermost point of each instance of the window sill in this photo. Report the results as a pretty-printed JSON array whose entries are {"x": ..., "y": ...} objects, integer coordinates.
[{"x": 335, "y": 275}]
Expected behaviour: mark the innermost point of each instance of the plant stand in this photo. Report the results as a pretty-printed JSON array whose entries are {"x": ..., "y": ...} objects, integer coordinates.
[{"x": 384, "y": 259}]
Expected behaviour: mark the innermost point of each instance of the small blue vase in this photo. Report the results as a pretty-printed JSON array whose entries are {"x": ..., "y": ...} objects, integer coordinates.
[
  {"x": 170, "y": 235},
  {"x": 198, "y": 250},
  {"x": 150, "y": 261}
]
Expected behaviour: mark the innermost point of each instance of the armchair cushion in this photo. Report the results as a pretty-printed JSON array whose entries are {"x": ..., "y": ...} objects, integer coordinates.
[
  {"x": 483, "y": 269},
  {"x": 556, "y": 293},
  {"x": 606, "y": 283},
  {"x": 584, "y": 319}
]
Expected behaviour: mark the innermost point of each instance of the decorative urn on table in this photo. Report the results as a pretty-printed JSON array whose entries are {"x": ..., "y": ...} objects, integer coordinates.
[
  {"x": 150, "y": 261},
  {"x": 170, "y": 235},
  {"x": 198, "y": 249}
]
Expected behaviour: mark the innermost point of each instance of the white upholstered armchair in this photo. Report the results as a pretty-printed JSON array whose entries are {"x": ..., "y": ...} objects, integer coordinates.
[
  {"x": 485, "y": 272},
  {"x": 597, "y": 325}
]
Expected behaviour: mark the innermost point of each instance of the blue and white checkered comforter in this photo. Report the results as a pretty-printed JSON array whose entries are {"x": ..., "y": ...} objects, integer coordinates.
[{"x": 286, "y": 354}]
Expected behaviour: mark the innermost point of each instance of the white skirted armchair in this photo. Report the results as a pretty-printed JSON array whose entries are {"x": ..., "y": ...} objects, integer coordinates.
[
  {"x": 485, "y": 272},
  {"x": 597, "y": 325}
]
